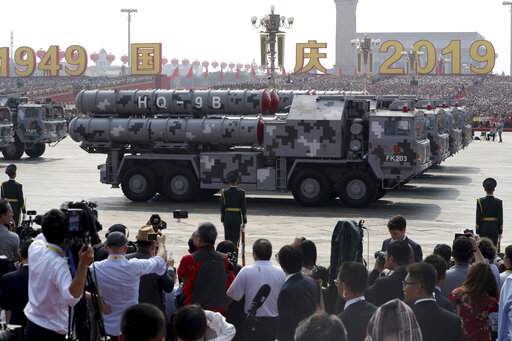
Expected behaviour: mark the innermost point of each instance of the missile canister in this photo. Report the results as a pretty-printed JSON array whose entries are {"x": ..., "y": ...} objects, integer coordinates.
[
  {"x": 178, "y": 102},
  {"x": 143, "y": 131}
]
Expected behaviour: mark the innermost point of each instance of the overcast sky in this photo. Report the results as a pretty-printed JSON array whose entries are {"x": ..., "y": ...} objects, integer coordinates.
[{"x": 221, "y": 30}]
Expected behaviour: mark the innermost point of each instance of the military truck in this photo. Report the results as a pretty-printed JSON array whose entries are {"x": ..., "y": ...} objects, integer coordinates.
[
  {"x": 6, "y": 127},
  {"x": 436, "y": 132},
  {"x": 464, "y": 121},
  {"x": 35, "y": 125},
  {"x": 325, "y": 147},
  {"x": 453, "y": 129}
]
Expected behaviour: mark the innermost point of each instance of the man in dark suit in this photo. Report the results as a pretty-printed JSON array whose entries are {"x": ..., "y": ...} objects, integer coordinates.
[
  {"x": 387, "y": 285},
  {"x": 396, "y": 227},
  {"x": 440, "y": 265},
  {"x": 233, "y": 212},
  {"x": 489, "y": 213},
  {"x": 299, "y": 295},
  {"x": 12, "y": 191},
  {"x": 152, "y": 287},
  {"x": 435, "y": 322},
  {"x": 351, "y": 284},
  {"x": 14, "y": 288}
]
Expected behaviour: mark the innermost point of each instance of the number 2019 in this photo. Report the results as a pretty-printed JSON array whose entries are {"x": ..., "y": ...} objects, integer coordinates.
[{"x": 484, "y": 61}]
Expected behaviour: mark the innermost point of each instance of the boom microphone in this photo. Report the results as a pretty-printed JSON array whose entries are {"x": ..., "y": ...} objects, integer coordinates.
[{"x": 259, "y": 299}]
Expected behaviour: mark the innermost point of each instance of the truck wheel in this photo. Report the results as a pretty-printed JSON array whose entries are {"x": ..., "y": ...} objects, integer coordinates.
[
  {"x": 35, "y": 150},
  {"x": 138, "y": 184},
  {"x": 13, "y": 151},
  {"x": 311, "y": 188},
  {"x": 358, "y": 189},
  {"x": 181, "y": 185}
]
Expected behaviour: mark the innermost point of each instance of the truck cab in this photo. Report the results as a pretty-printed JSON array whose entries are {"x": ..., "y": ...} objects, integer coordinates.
[
  {"x": 435, "y": 129},
  {"x": 454, "y": 132},
  {"x": 6, "y": 127},
  {"x": 398, "y": 146},
  {"x": 463, "y": 120}
]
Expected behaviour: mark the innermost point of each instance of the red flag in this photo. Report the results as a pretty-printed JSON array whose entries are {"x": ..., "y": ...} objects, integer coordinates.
[
  {"x": 190, "y": 72},
  {"x": 175, "y": 73},
  {"x": 253, "y": 72},
  {"x": 237, "y": 74},
  {"x": 340, "y": 72}
]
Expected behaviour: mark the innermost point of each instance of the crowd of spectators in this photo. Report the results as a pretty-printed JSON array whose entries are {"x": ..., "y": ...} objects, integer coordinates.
[{"x": 451, "y": 294}]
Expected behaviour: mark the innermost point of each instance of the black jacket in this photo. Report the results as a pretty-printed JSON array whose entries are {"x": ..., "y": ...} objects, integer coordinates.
[
  {"x": 355, "y": 318},
  {"x": 489, "y": 216},
  {"x": 442, "y": 301},
  {"x": 14, "y": 294},
  {"x": 384, "y": 289},
  {"x": 437, "y": 323},
  {"x": 152, "y": 287},
  {"x": 233, "y": 208},
  {"x": 416, "y": 248},
  {"x": 298, "y": 299}
]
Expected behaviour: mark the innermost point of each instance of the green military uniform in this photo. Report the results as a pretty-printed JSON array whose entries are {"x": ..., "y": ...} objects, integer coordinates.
[
  {"x": 489, "y": 214},
  {"x": 233, "y": 212},
  {"x": 12, "y": 191}
]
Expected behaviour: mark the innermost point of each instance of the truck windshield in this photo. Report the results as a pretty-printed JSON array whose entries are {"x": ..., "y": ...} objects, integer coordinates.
[
  {"x": 420, "y": 128},
  {"x": 29, "y": 112},
  {"x": 56, "y": 113},
  {"x": 397, "y": 128},
  {"x": 4, "y": 115}
]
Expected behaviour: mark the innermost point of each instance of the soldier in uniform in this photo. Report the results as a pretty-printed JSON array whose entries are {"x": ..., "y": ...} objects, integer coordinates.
[
  {"x": 489, "y": 213},
  {"x": 12, "y": 191},
  {"x": 233, "y": 211}
]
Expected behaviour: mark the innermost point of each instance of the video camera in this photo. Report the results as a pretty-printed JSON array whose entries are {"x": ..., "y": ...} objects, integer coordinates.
[
  {"x": 82, "y": 221},
  {"x": 156, "y": 221},
  {"x": 26, "y": 229},
  {"x": 467, "y": 233}
]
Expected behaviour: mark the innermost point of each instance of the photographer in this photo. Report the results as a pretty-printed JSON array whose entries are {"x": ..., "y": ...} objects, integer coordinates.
[
  {"x": 152, "y": 286},
  {"x": 100, "y": 250},
  {"x": 118, "y": 278},
  {"x": 51, "y": 290}
]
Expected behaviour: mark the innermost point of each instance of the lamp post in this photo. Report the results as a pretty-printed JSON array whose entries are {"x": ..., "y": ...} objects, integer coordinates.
[
  {"x": 365, "y": 46},
  {"x": 270, "y": 32},
  {"x": 509, "y": 4},
  {"x": 129, "y": 11},
  {"x": 413, "y": 62}
]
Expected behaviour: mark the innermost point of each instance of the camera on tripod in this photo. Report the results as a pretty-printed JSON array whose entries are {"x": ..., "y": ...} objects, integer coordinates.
[
  {"x": 26, "y": 229},
  {"x": 82, "y": 221}
]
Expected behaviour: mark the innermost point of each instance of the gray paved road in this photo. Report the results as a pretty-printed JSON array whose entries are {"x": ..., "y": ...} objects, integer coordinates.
[{"x": 437, "y": 205}]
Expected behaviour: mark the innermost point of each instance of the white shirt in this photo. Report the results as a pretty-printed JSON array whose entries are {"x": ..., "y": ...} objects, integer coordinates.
[
  {"x": 352, "y": 301},
  {"x": 250, "y": 279},
  {"x": 48, "y": 286},
  {"x": 218, "y": 329},
  {"x": 117, "y": 279}
]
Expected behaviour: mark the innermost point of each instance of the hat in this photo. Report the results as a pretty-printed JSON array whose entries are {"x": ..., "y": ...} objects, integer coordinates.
[
  {"x": 117, "y": 228},
  {"x": 11, "y": 169},
  {"x": 144, "y": 232},
  {"x": 116, "y": 239},
  {"x": 490, "y": 184}
]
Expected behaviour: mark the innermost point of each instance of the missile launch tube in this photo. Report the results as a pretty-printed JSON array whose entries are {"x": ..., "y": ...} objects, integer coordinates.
[
  {"x": 178, "y": 102},
  {"x": 219, "y": 131}
]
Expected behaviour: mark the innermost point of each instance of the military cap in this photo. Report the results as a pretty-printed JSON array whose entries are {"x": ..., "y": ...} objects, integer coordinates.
[
  {"x": 117, "y": 228},
  {"x": 116, "y": 239},
  {"x": 233, "y": 177},
  {"x": 11, "y": 169},
  {"x": 144, "y": 232},
  {"x": 490, "y": 184}
]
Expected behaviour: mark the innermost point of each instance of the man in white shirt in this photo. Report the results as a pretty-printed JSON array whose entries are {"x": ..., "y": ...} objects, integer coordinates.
[
  {"x": 51, "y": 290},
  {"x": 193, "y": 323},
  {"x": 118, "y": 278},
  {"x": 247, "y": 283}
]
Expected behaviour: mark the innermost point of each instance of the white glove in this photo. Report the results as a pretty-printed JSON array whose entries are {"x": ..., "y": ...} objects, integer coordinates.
[
  {"x": 242, "y": 228},
  {"x": 24, "y": 217}
]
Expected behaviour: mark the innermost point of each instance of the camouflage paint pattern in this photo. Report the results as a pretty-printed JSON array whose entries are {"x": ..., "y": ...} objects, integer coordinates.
[
  {"x": 215, "y": 166},
  {"x": 178, "y": 102},
  {"x": 221, "y": 131},
  {"x": 36, "y": 125},
  {"x": 439, "y": 141},
  {"x": 311, "y": 129}
]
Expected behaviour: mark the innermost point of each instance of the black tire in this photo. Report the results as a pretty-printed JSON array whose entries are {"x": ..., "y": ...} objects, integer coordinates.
[
  {"x": 311, "y": 188},
  {"x": 13, "y": 151},
  {"x": 180, "y": 184},
  {"x": 139, "y": 184},
  {"x": 35, "y": 150},
  {"x": 358, "y": 189}
]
